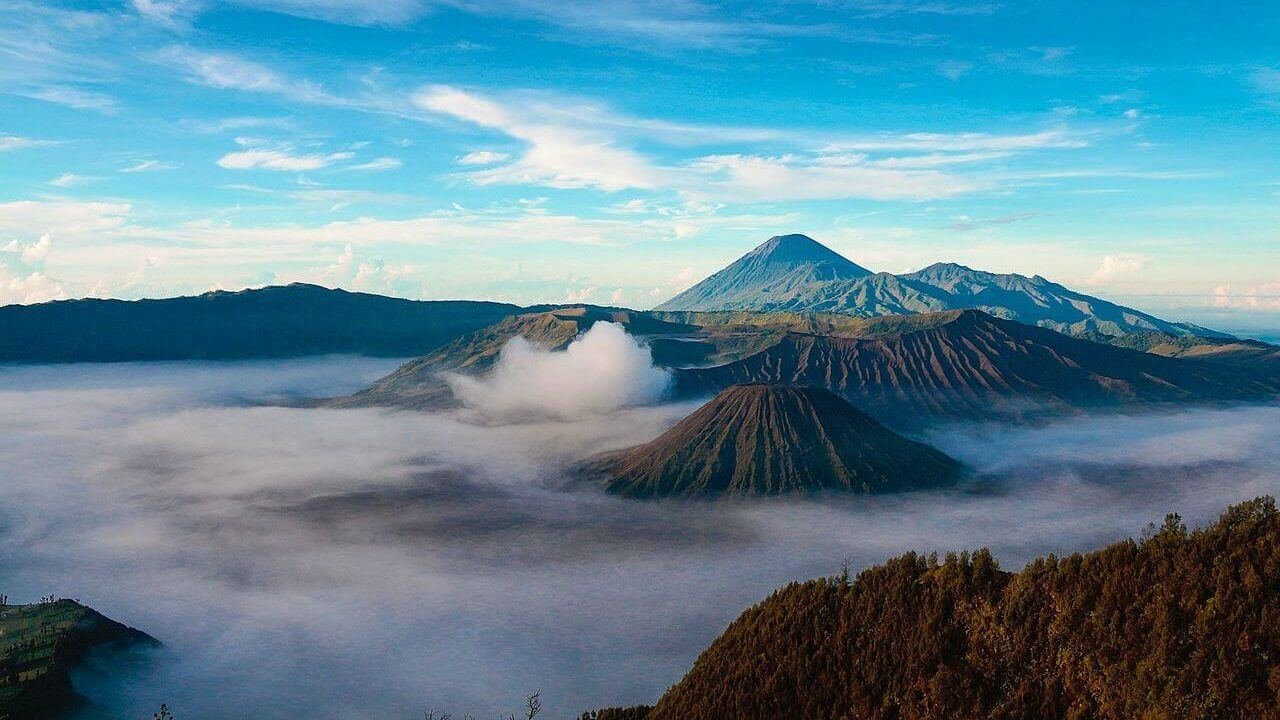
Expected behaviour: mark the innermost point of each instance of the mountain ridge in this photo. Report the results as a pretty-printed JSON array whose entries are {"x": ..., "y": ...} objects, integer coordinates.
[
  {"x": 924, "y": 369},
  {"x": 276, "y": 321},
  {"x": 1035, "y": 300}
]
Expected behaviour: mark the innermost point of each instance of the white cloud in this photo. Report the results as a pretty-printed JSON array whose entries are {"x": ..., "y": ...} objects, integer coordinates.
[
  {"x": 1117, "y": 267},
  {"x": 378, "y": 164},
  {"x": 559, "y": 155},
  {"x": 72, "y": 97},
  {"x": 22, "y": 276},
  {"x": 67, "y": 180},
  {"x": 1132, "y": 114},
  {"x": 961, "y": 142},
  {"x": 483, "y": 157},
  {"x": 229, "y": 72},
  {"x": 363, "y": 274},
  {"x": 790, "y": 177},
  {"x": 1264, "y": 297},
  {"x": 62, "y": 217},
  {"x": 170, "y": 13},
  {"x": 148, "y": 166},
  {"x": 14, "y": 142},
  {"x": 603, "y": 370},
  {"x": 282, "y": 160}
]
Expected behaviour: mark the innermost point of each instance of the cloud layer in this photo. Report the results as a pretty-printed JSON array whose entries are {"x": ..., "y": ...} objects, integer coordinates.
[{"x": 383, "y": 563}]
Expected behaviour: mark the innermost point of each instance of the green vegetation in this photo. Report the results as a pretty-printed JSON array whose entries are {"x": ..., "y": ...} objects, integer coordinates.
[
  {"x": 40, "y": 644},
  {"x": 1179, "y": 624}
]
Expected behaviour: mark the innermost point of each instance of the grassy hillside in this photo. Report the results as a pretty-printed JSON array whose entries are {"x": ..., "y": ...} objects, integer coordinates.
[{"x": 40, "y": 644}]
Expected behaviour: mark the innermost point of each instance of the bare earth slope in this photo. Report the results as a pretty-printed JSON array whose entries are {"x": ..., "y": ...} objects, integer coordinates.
[
  {"x": 771, "y": 440},
  {"x": 968, "y": 365}
]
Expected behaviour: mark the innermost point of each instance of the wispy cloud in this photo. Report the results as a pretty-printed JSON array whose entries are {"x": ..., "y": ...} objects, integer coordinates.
[
  {"x": 558, "y": 155},
  {"x": 149, "y": 166},
  {"x": 73, "y": 97},
  {"x": 283, "y": 160},
  {"x": 225, "y": 71},
  {"x": 379, "y": 164},
  {"x": 67, "y": 180},
  {"x": 964, "y": 223},
  {"x": 789, "y": 177},
  {"x": 483, "y": 157},
  {"x": 15, "y": 142}
]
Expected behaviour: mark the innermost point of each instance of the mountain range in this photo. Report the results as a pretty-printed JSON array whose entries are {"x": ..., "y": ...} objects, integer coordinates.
[
  {"x": 798, "y": 274},
  {"x": 914, "y": 370},
  {"x": 762, "y": 439},
  {"x": 277, "y": 321}
]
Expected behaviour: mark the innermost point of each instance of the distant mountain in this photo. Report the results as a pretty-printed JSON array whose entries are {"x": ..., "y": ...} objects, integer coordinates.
[
  {"x": 804, "y": 284},
  {"x": 42, "y": 644},
  {"x": 1179, "y": 625},
  {"x": 784, "y": 268},
  {"x": 278, "y": 321},
  {"x": 771, "y": 440},
  {"x": 418, "y": 383},
  {"x": 910, "y": 371}
]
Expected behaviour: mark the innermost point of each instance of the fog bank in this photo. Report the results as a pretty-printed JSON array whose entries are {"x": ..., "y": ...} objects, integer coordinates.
[{"x": 366, "y": 563}]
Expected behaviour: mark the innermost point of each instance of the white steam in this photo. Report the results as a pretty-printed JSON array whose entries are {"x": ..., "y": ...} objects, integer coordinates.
[{"x": 603, "y": 370}]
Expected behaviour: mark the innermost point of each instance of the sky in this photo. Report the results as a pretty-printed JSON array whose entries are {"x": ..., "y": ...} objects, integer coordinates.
[{"x": 617, "y": 151}]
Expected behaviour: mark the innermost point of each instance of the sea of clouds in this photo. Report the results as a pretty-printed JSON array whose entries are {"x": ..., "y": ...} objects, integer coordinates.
[{"x": 321, "y": 563}]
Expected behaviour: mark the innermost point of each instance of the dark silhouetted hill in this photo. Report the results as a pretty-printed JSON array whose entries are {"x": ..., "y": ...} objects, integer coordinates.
[{"x": 271, "y": 322}]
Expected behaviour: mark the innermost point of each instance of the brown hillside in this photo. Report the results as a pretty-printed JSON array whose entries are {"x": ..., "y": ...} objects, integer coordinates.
[
  {"x": 967, "y": 365},
  {"x": 769, "y": 440},
  {"x": 1181, "y": 625}
]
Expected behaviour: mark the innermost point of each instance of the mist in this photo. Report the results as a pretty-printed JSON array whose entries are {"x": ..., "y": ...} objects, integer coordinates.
[
  {"x": 602, "y": 370},
  {"x": 364, "y": 563}
]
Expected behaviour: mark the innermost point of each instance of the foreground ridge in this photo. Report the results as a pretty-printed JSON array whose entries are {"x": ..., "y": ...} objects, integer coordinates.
[{"x": 1177, "y": 625}]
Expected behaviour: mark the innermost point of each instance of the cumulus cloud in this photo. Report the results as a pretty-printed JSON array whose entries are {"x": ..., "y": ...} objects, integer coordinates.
[
  {"x": 603, "y": 370},
  {"x": 1121, "y": 266},
  {"x": 1265, "y": 297},
  {"x": 22, "y": 275}
]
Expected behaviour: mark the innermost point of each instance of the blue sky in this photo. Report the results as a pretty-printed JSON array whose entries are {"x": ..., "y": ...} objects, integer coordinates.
[{"x": 619, "y": 150}]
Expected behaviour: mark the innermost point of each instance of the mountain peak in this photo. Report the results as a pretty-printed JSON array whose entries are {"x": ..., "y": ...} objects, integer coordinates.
[
  {"x": 760, "y": 439},
  {"x": 780, "y": 268},
  {"x": 796, "y": 249}
]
